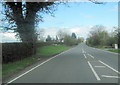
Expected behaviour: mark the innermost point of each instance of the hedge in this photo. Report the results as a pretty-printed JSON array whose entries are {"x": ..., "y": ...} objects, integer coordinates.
[{"x": 16, "y": 51}]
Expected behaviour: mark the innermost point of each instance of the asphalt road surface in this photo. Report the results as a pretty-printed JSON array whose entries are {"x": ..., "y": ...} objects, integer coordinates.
[{"x": 81, "y": 64}]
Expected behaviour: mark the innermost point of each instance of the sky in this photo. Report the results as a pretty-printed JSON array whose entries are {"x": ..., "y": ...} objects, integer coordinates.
[{"x": 78, "y": 18}]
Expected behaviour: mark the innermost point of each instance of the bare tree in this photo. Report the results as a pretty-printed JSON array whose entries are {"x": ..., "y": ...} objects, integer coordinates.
[
  {"x": 61, "y": 34},
  {"x": 40, "y": 34}
]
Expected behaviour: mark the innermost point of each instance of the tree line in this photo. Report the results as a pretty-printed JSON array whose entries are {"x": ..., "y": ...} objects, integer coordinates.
[
  {"x": 65, "y": 38},
  {"x": 98, "y": 36}
]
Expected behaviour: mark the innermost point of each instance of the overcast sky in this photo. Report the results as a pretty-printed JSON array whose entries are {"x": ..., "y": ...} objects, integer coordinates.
[{"x": 78, "y": 18}]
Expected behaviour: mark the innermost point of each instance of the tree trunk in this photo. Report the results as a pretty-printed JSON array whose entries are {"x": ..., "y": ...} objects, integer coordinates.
[{"x": 27, "y": 33}]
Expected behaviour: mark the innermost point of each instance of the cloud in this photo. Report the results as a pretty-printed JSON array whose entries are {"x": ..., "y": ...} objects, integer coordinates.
[
  {"x": 8, "y": 37},
  {"x": 81, "y": 31}
]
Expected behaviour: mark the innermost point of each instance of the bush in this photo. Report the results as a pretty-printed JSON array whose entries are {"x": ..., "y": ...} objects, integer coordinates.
[{"x": 68, "y": 40}]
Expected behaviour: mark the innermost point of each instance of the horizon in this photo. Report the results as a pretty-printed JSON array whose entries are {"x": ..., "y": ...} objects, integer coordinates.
[{"x": 78, "y": 18}]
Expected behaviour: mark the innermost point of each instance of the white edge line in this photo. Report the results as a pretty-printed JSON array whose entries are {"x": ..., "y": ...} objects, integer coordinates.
[
  {"x": 84, "y": 55},
  {"x": 109, "y": 67},
  {"x": 30, "y": 70},
  {"x": 110, "y": 76},
  {"x": 36, "y": 67},
  {"x": 97, "y": 77}
]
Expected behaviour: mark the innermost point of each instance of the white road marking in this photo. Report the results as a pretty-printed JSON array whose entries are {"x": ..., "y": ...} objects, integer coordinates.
[
  {"x": 93, "y": 61},
  {"x": 96, "y": 75},
  {"x": 85, "y": 55},
  {"x": 110, "y": 76},
  {"x": 82, "y": 51},
  {"x": 91, "y": 56},
  {"x": 100, "y": 66},
  {"x": 30, "y": 70},
  {"x": 109, "y": 67},
  {"x": 36, "y": 67}
]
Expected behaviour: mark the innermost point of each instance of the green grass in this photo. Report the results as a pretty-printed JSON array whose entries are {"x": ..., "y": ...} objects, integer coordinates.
[
  {"x": 51, "y": 50},
  {"x": 109, "y": 48},
  {"x": 11, "y": 68},
  {"x": 114, "y": 50},
  {"x": 103, "y": 47}
]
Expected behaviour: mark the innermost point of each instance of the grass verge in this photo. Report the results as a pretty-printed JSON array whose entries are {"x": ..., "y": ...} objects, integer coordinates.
[
  {"x": 12, "y": 67},
  {"x": 51, "y": 50},
  {"x": 114, "y": 50},
  {"x": 108, "y": 48}
]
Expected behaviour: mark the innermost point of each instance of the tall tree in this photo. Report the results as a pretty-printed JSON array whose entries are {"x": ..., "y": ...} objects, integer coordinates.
[
  {"x": 48, "y": 39},
  {"x": 73, "y": 35},
  {"x": 61, "y": 34},
  {"x": 56, "y": 38},
  {"x": 97, "y": 34},
  {"x": 24, "y": 17}
]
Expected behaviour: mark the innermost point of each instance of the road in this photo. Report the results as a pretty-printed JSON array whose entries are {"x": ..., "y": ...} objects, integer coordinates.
[{"x": 81, "y": 64}]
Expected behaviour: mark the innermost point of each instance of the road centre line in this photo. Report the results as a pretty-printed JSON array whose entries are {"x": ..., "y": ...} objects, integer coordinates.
[
  {"x": 36, "y": 67},
  {"x": 91, "y": 56},
  {"x": 110, "y": 76},
  {"x": 109, "y": 67},
  {"x": 85, "y": 55},
  {"x": 82, "y": 51},
  {"x": 100, "y": 66},
  {"x": 94, "y": 72}
]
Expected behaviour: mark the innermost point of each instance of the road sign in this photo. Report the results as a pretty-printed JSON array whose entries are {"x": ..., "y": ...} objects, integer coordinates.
[{"x": 116, "y": 46}]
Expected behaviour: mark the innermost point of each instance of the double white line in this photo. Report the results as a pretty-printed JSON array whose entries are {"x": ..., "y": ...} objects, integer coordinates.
[{"x": 97, "y": 77}]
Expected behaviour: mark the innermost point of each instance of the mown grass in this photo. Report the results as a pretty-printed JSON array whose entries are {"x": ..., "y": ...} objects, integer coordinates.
[
  {"x": 103, "y": 47},
  {"x": 109, "y": 48},
  {"x": 51, "y": 50},
  {"x": 114, "y": 50},
  {"x": 11, "y": 68}
]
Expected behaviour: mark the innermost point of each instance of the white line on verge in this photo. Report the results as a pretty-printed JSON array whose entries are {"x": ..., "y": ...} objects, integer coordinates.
[
  {"x": 97, "y": 77},
  {"x": 84, "y": 55},
  {"x": 110, "y": 76},
  {"x": 36, "y": 67},
  {"x": 109, "y": 67}
]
